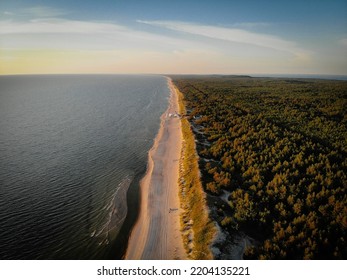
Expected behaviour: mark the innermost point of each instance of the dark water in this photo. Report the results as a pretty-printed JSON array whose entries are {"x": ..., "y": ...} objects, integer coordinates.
[{"x": 70, "y": 146}]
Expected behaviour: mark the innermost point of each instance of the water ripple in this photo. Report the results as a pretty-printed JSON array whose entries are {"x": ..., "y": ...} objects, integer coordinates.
[{"x": 69, "y": 148}]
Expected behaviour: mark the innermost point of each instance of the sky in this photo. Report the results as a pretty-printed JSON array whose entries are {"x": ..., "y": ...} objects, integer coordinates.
[{"x": 173, "y": 37}]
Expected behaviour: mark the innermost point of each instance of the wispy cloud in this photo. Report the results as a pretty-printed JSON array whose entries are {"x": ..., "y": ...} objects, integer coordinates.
[
  {"x": 107, "y": 33},
  {"x": 7, "y": 13},
  {"x": 53, "y": 26},
  {"x": 236, "y": 35},
  {"x": 35, "y": 12},
  {"x": 53, "y": 33},
  {"x": 43, "y": 11}
]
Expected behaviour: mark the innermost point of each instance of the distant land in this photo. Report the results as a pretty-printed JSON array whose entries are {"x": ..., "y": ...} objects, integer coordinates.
[
  {"x": 291, "y": 76},
  {"x": 303, "y": 76}
]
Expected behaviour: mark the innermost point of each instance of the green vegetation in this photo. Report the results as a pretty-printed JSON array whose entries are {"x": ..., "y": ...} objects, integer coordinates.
[
  {"x": 197, "y": 227},
  {"x": 276, "y": 148}
]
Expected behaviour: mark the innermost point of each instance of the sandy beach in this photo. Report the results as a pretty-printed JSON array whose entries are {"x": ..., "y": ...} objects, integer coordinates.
[{"x": 156, "y": 234}]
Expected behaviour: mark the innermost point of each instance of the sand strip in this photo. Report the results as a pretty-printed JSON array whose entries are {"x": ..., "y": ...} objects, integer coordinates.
[{"x": 157, "y": 234}]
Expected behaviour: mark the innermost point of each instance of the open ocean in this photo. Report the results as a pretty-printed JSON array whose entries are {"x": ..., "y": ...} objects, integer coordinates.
[{"x": 70, "y": 148}]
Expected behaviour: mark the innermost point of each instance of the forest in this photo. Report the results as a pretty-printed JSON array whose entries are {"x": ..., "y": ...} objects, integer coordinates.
[{"x": 272, "y": 155}]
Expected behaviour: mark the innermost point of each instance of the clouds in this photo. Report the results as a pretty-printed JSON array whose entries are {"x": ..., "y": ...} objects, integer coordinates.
[
  {"x": 55, "y": 26},
  {"x": 55, "y": 33},
  {"x": 36, "y": 12},
  {"x": 233, "y": 35},
  {"x": 151, "y": 46},
  {"x": 7, "y": 13},
  {"x": 107, "y": 33},
  {"x": 44, "y": 11}
]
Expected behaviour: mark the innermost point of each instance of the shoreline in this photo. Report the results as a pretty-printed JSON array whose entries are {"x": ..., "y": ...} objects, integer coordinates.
[{"x": 157, "y": 231}]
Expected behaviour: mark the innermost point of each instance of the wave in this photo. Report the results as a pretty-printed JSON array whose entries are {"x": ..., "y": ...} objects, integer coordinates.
[{"x": 117, "y": 210}]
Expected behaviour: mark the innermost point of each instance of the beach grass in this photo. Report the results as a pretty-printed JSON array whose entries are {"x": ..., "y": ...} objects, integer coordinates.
[{"x": 198, "y": 229}]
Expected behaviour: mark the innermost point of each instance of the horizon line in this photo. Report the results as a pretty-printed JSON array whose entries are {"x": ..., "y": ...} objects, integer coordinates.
[{"x": 255, "y": 75}]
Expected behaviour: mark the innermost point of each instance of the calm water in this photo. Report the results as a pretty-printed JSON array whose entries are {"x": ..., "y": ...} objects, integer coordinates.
[{"x": 70, "y": 147}]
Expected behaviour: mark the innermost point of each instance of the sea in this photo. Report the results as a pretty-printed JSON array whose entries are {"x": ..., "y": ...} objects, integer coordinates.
[{"x": 73, "y": 149}]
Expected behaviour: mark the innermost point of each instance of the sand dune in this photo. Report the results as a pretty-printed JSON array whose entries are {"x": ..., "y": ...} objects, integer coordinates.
[{"x": 156, "y": 234}]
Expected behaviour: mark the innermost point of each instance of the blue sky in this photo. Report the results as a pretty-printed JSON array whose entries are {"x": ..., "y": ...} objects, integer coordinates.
[{"x": 228, "y": 37}]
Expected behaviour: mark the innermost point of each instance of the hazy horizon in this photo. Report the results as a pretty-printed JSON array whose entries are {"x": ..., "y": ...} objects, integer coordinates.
[{"x": 179, "y": 37}]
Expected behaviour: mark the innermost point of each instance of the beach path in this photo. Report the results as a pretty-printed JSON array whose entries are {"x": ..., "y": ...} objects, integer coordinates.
[{"x": 157, "y": 234}]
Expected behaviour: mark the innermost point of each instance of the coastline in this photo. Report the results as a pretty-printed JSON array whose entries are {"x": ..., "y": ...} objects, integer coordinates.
[{"x": 157, "y": 231}]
